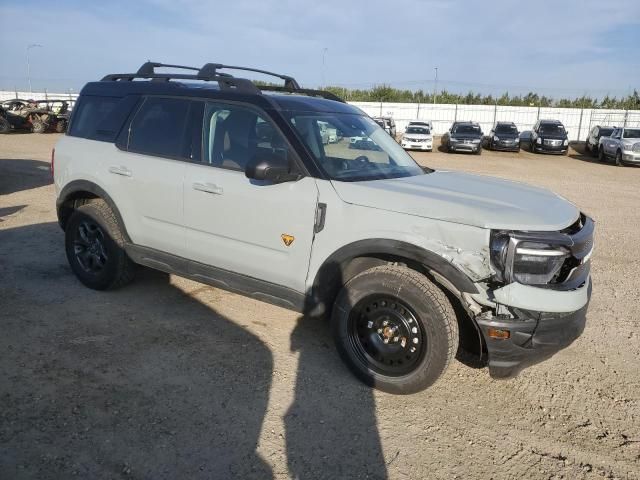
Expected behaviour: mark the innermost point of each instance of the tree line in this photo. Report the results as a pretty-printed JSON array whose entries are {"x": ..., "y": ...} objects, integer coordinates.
[{"x": 386, "y": 93}]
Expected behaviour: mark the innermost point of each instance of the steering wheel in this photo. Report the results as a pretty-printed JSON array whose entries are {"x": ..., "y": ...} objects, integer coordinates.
[{"x": 362, "y": 159}]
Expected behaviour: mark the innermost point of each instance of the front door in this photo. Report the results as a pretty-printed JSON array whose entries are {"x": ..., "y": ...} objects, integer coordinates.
[{"x": 253, "y": 228}]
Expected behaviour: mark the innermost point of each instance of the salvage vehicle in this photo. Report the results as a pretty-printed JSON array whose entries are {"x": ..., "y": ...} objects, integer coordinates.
[
  {"x": 592, "y": 144},
  {"x": 166, "y": 170},
  {"x": 623, "y": 146},
  {"x": 37, "y": 116},
  {"x": 504, "y": 136},
  {"x": 417, "y": 138},
  {"x": 549, "y": 136},
  {"x": 463, "y": 137}
]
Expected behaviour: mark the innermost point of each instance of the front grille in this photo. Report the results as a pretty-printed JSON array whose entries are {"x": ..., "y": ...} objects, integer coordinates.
[{"x": 552, "y": 143}]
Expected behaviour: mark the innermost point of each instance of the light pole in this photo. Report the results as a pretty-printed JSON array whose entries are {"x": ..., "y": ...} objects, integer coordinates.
[
  {"x": 324, "y": 52},
  {"x": 29, "y": 47},
  {"x": 435, "y": 87}
]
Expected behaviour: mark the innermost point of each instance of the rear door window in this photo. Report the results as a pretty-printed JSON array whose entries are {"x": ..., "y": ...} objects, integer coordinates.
[
  {"x": 90, "y": 113},
  {"x": 159, "y": 127}
]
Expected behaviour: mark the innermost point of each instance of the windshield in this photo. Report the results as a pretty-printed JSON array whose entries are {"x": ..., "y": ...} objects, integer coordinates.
[
  {"x": 418, "y": 130},
  {"x": 467, "y": 130},
  {"x": 507, "y": 129},
  {"x": 359, "y": 150},
  {"x": 605, "y": 132},
  {"x": 631, "y": 133},
  {"x": 551, "y": 129}
]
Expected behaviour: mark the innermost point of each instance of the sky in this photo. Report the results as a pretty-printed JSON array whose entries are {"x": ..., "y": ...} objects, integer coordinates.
[{"x": 559, "y": 48}]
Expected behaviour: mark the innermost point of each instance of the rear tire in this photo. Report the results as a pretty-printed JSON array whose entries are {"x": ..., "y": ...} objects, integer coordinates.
[
  {"x": 94, "y": 243},
  {"x": 61, "y": 126},
  {"x": 397, "y": 343},
  {"x": 38, "y": 127}
]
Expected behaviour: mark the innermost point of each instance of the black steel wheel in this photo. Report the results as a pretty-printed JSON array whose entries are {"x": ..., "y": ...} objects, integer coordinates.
[
  {"x": 394, "y": 329},
  {"x": 385, "y": 333},
  {"x": 94, "y": 243}
]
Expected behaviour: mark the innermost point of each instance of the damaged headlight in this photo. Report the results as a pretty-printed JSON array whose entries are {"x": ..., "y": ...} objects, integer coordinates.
[{"x": 526, "y": 262}]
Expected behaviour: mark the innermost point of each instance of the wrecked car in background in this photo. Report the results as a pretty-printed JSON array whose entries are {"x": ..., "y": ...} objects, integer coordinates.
[{"x": 37, "y": 116}]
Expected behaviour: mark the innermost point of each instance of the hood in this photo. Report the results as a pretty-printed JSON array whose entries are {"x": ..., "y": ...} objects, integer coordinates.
[
  {"x": 506, "y": 135},
  {"x": 475, "y": 200},
  {"x": 465, "y": 136},
  {"x": 555, "y": 136}
]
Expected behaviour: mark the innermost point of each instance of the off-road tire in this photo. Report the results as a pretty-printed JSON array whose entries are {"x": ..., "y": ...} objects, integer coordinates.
[
  {"x": 118, "y": 269},
  {"x": 5, "y": 126},
  {"x": 430, "y": 308},
  {"x": 38, "y": 127},
  {"x": 61, "y": 126}
]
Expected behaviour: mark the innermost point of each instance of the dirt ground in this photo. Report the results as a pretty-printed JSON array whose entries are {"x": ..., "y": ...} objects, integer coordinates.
[{"x": 168, "y": 378}]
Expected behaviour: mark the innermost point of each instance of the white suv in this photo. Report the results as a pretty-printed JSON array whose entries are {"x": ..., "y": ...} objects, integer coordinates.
[{"x": 232, "y": 185}]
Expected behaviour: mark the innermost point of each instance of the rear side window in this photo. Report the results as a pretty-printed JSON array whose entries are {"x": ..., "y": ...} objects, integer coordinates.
[
  {"x": 158, "y": 127},
  {"x": 90, "y": 112}
]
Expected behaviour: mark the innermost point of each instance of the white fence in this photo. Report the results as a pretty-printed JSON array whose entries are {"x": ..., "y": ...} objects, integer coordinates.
[{"x": 577, "y": 121}]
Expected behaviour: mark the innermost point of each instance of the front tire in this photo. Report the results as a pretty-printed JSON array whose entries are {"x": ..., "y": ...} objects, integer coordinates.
[
  {"x": 38, "y": 126},
  {"x": 94, "y": 243},
  {"x": 618, "y": 158},
  {"x": 601, "y": 156},
  {"x": 395, "y": 329},
  {"x": 5, "y": 126}
]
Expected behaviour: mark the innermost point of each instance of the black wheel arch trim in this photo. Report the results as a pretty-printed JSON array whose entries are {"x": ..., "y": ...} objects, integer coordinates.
[
  {"x": 324, "y": 290},
  {"x": 86, "y": 186}
]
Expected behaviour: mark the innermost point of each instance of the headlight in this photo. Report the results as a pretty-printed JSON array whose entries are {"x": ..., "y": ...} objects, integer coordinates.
[
  {"x": 526, "y": 262},
  {"x": 539, "y": 141},
  {"x": 496, "y": 139},
  {"x": 566, "y": 142},
  {"x": 628, "y": 147},
  {"x": 454, "y": 140}
]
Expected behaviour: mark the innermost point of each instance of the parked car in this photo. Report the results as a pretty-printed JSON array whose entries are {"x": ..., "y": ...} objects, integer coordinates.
[
  {"x": 592, "y": 144},
  {"x": 417, "y": 137},
  {"x": 504, "y": 136},
  {"x": 623, "y": 146},
  {"x": 549, "y": 136},
  {"x": 388, "y": 124},
  {"x": 328, "y": 134},
  {"x": 464, "y": 137},
  {"x": 408, "y": 262}
]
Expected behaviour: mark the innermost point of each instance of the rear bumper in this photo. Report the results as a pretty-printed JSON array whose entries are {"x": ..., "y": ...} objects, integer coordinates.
[{"x": 534, "y": 337}]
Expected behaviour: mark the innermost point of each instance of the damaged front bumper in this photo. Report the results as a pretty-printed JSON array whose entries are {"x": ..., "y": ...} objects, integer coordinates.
[{"x": 533, "y": 335}]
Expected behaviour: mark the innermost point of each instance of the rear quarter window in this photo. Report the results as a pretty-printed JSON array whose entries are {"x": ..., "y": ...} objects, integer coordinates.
[{"x": 100, "y": 118}]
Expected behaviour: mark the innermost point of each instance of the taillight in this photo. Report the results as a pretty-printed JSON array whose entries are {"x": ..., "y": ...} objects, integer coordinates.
[{"x": 53, "y": 161}]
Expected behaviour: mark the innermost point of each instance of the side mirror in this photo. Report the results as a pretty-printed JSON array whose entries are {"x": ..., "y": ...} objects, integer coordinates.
[{"x": 270, "y": 166}]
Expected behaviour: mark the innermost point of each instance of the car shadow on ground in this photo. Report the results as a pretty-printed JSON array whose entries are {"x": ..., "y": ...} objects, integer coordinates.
[
  {"x": 20, "y": 174},
  {"x": 149, "y": 382}
]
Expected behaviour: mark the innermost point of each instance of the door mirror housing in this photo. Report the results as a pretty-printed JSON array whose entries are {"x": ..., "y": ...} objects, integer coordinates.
[{"x": 272, "y": 167}]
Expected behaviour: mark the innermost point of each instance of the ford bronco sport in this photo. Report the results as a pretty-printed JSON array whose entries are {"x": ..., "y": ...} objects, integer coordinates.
[{"x": 208, "y": 176}]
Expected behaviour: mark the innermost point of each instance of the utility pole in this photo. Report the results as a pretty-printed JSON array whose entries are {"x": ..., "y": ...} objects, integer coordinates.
[
  {"x": 324, "y": 52},
  {"x": 435, "y": 87},
  {"x": 29, "y": 47}
]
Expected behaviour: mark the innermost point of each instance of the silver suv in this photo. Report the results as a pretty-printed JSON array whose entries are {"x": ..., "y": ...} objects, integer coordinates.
[{"x": 233, "y": 185}]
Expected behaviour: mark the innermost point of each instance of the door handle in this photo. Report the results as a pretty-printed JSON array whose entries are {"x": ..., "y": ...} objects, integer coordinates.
[
  {"x": 208, "y": 188},
  {"x": 124, "y": 171}
]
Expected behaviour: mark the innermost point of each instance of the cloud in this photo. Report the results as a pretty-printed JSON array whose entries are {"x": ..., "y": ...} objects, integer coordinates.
[{"x": 557, "y": 47}]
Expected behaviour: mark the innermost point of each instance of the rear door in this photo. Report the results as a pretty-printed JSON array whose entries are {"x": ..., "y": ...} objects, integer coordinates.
[
  {"x": 150, "y": 170},
  {"x": 257, "y": 229}
]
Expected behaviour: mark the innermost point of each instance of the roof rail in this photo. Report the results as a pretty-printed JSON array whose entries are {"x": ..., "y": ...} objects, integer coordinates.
[{"x": 209, "y": 73}]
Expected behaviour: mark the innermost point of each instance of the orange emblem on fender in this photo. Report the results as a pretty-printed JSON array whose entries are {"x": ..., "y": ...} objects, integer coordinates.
[{"x": 287, "y": 239}]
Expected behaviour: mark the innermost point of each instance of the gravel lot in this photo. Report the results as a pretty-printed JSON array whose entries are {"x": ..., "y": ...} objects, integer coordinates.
[{"x": 168, "y": 378}]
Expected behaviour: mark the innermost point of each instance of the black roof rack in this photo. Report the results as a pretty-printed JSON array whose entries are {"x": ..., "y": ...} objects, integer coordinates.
[{"x": 209, "y": 73}]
